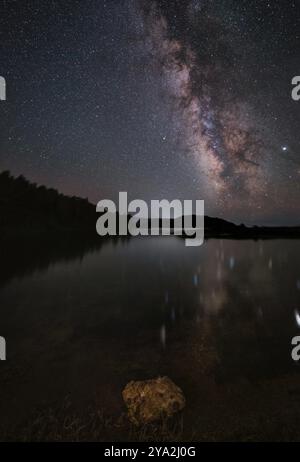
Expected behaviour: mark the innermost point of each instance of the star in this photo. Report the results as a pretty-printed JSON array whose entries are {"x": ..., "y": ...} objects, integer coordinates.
[{"x": 159, "y": 98}]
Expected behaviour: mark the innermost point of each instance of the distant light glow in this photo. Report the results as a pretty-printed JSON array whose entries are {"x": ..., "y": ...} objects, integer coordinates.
[{"x": 297, "y": 317}]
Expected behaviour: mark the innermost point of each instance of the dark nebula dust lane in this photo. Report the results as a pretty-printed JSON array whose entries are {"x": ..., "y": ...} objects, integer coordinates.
[{"x": 187, "y": 99}]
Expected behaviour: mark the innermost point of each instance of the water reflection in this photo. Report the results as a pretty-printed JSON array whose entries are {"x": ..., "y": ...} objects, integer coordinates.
[
  {"x": 147, "y": 307},
  {"x": 163, "y": 335},
  {"x": 297, "y": 317}
]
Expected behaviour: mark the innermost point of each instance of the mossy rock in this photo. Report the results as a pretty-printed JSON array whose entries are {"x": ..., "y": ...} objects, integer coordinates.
[{"x": 152, "y": 400}]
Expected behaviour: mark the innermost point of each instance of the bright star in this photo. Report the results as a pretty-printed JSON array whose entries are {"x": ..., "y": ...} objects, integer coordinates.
[{"x": 284, "y": 148}]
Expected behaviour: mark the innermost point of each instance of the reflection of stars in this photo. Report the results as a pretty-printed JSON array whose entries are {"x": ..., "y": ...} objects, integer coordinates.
[{"x": 297, "y": 316}]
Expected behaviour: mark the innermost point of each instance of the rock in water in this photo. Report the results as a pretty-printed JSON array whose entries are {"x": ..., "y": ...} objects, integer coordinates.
[{"x": 151, "y": 400}]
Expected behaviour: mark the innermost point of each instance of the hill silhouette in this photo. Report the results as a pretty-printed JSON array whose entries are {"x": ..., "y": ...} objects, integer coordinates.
[{"x": 29, "y": 209}]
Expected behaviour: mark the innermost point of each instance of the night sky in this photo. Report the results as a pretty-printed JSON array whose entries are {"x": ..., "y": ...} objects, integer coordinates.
[{"x": 163, "y": 99}]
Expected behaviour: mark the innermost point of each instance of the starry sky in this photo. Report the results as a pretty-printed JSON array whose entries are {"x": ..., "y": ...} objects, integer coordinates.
[{"x": 165, "y": 99}]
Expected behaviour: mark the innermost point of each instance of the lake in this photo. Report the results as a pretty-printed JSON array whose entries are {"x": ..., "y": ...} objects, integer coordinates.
[{"x": 217, "y": 319}]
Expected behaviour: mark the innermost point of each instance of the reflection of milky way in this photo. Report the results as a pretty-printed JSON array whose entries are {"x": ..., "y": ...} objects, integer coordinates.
[{"x": 218, "y": 128}]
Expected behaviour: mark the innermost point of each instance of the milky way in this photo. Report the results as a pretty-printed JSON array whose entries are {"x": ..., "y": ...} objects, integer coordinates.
[{"x": 201, "y": 61}]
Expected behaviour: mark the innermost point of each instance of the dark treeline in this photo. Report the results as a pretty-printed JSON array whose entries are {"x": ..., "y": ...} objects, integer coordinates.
[
  {"x": 27, "y": 207},
  {"x": 29, "y": 210},
  {"x": 39, "y": 227}
]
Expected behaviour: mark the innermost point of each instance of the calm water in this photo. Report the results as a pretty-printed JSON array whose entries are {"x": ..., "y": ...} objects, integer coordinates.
[{"x": 217, "y": 319}]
